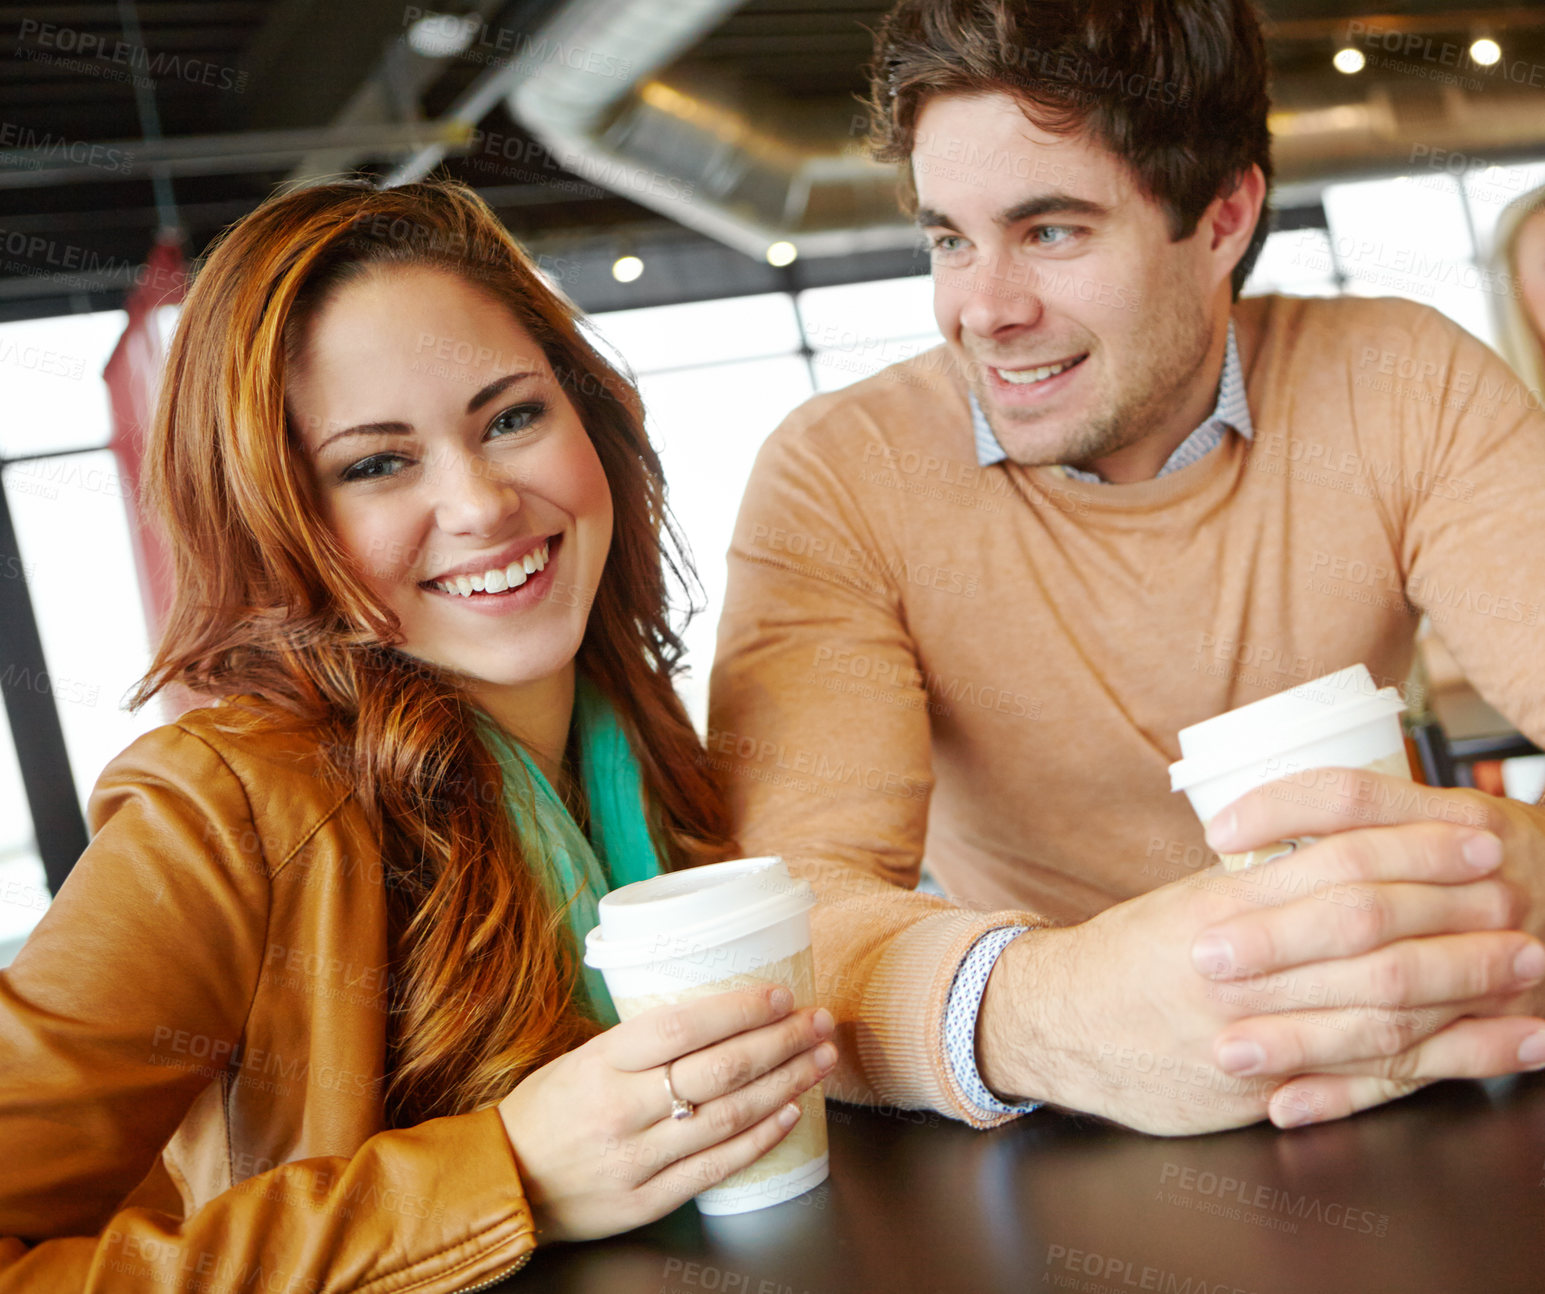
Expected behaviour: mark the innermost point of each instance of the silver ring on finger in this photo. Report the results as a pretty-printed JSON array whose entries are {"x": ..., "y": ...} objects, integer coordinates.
[{"x": 681, "y": 1108}]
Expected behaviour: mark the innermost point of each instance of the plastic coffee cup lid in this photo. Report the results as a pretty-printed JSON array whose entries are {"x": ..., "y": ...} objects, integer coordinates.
[
  {"x": 698, "y": 907},
  {"x": 1280, "y": 724}
]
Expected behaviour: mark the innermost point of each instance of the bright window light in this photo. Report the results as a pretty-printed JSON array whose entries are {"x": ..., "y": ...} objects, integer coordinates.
[
  {"x": 1297, "y": 262},
  {"x": 835, "y": 315},
  {"x": 1409, "y": 237},
  {"x": 701, "y": 332},
  {"x": 708, "y": 425},
  {"x": 51, "y": 374}
]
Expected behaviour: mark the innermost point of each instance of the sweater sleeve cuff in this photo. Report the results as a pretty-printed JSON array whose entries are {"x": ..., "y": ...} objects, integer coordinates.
[
  {"x": 960, "y": 1012},
  {"x": 902, "y": 1014}
]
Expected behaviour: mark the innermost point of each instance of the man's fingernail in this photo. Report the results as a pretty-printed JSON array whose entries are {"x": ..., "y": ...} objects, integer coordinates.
[
  {"x": 1213, "y": 955},
  {"x": 1291, "y": 1116},
  {"x": 781, "y": 1000},
  {"x": 1531, "y": 1051},
  {"x": 1241, "y": 1056},
  {"x": 1482, "y": 850},
  {"x": 1220, "y": 831},
  {"x": 824, "y": 1024},
  {"x": 1529, "y": 965}
]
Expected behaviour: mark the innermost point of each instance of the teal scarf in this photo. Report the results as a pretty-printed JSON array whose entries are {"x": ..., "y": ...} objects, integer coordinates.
[{"x": 577, "y": 871}]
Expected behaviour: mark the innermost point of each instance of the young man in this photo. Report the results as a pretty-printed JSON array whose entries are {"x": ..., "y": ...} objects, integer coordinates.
[{"x": 973, "y": 599}]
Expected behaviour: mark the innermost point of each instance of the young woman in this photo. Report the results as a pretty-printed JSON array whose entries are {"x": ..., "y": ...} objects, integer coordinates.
[
  {"x": 1519, "y": 311},
  {"x": 308, "y": 1014}
]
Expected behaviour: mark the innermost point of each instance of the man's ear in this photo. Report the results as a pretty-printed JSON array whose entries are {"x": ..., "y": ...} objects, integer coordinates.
[{"x": 1230, "y": 220}]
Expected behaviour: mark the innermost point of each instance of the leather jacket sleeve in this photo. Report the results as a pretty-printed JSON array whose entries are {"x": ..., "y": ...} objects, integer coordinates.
[{"x": 160, "y": 928}]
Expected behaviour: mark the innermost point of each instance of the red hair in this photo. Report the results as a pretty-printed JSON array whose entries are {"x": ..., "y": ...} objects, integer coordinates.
[{"x": 269, "y": 605}]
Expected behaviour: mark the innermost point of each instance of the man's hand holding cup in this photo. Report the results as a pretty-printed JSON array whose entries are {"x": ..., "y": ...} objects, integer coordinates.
[
  {"x": 1442, "y": 897},
  {"x": 1416, "y": 932}
]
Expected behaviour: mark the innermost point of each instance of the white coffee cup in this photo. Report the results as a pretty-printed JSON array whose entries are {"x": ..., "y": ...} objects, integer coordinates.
[
  {"x": 714, "y": 929},
  {"x": 1339, "y": 721}
]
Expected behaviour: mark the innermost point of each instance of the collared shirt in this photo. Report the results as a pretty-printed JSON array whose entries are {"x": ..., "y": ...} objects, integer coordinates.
[
  {"x": 1230, "y": 410},
  {"x": 970, "y": 983}
]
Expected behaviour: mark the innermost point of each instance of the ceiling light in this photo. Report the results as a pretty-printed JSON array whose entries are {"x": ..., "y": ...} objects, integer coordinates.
[
  {"x": 781, "y": 254},
  {"x": 1348, "y": 60},
  {"x": 1485, "y": 51},
  {"x": 627, "y": 268},
  {"x": 442, "y": 35}
]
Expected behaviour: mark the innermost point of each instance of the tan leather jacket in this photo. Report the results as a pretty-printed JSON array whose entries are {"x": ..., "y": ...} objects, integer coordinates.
[{"x": 192, "y": 1046}]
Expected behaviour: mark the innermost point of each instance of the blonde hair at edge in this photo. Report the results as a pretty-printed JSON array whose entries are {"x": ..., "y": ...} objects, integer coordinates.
[{"x": 1518, "y": 337}]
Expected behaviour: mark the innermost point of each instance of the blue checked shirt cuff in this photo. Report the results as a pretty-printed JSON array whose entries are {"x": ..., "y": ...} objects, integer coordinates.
[{"x": 960, "y": 1012}]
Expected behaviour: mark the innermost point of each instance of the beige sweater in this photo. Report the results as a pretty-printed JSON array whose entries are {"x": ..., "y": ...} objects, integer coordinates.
[{"x": 987, "y": 667}]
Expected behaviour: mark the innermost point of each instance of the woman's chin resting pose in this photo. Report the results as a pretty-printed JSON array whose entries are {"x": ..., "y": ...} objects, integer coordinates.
[{"x": 309, "y": 1013}]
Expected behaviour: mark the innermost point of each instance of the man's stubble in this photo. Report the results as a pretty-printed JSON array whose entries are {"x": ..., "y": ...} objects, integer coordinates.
[{"x": 1165, "y": 361}]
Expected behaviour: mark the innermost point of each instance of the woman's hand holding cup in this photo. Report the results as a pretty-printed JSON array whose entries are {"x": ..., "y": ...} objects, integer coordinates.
[{"x": 598, "y": 1149}]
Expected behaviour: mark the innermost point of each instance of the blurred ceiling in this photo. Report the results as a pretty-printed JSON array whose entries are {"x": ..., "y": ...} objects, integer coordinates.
[{"x": 691, "y": 132}]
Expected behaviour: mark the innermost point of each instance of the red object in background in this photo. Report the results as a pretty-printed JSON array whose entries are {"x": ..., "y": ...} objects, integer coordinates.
[
  {"x": 1488, "y": 776},
  {"x": 132, "y": 374}
]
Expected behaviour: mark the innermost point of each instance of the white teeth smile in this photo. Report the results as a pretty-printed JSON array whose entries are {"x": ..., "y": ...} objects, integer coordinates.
[
  {"x": 1025, "y": 376},
  {"x": 499, "y": 578}
]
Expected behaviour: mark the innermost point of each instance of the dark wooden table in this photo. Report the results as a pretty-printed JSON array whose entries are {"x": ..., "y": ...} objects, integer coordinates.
[{"x": 1443, "y": 1192}]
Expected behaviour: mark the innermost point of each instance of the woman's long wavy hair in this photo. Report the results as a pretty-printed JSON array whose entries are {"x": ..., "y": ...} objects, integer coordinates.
[
  {"x": 1519, "y": 337},
  {"x": 268, "y": 605}
]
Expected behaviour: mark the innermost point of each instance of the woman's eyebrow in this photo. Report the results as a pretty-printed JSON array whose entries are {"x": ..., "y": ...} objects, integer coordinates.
[
  {"x": 494, "y": 388},
  {"x": 369, "y": 429}
]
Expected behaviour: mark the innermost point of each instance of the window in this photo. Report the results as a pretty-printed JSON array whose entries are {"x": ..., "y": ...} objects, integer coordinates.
[
  {"x": 1427, "y": 236},
  {"x": 68, "y": 508},
  {"x": 718, "y": 376}
]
